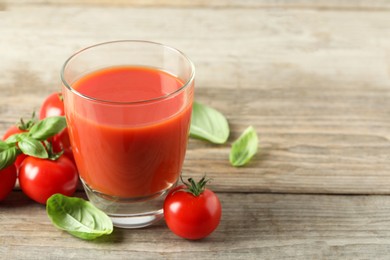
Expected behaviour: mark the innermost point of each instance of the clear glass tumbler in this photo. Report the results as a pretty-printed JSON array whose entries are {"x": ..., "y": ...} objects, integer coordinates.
[{"x": 128, "y": 107}]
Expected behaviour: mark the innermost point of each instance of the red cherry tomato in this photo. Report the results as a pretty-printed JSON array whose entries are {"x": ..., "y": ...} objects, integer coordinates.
[
  {"x": 41, "y": 178},
  {"x": 52, "y": 106},
  {"x": 11, "y": 131},
  {"x": 189, "y": 216},
  {"x": 7, "y": 181}
]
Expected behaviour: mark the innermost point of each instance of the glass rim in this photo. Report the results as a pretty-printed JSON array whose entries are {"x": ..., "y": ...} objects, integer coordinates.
[{"x": 182, "y": 88}]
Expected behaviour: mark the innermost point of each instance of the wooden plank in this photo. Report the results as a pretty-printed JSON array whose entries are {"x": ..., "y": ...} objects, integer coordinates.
[
  {"x": 377, "y": 5},
  {"x": 310, "y": 148},
  {"x": 253, "y": 226},
  {"x": 295, "y": 47}
]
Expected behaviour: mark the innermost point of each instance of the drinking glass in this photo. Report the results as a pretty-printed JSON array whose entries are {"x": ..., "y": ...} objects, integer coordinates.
[{"x": 128, "y": 107}]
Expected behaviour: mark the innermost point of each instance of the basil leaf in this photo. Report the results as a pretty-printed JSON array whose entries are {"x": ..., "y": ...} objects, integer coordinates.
[
  {"x": 33, "y": 147},
  {"x": 13, "y": 139},
  {"x": 78, "y": 217},
  {"x": 47, "y": 127},
  {"x": 7, "y": 155},
  {"x": 3, "y": 145},
  {"x": 244, "y": 148},
  {"x": 208, "y": 124}
]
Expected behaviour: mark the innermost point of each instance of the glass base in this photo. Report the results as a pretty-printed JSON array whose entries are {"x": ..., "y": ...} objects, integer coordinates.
[
  {"x": 137, "y": 221},
  {"x": 129, "y": 213}
]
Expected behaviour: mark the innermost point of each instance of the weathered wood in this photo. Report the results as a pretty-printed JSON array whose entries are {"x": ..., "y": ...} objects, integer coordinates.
[
  {"x": 372, "y": 5},
  {"x": 253, "y": 226}
]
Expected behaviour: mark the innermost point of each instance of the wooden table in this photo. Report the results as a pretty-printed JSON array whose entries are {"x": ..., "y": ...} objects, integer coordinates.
[{"x": 313, "y": 78}]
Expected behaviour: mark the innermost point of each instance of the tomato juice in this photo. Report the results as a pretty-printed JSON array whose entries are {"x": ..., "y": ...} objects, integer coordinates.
[{"x": 129, "y": 129}]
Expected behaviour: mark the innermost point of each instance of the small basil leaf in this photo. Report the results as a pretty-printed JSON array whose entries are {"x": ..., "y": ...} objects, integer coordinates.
[
  {"x": 13, "y": 139},
  {"x": 78, "y": 217},
  {"x": 208, "y": 124},
  {"x": 244, "y": 148},
  {"x": 47, "y": 127},
  {"x": 7, "y": 156},
  {"x": 3, "y": 146},
  {"x": 33, "y": 147}
]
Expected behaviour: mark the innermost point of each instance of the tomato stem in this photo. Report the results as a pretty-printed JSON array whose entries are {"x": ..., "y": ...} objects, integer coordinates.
[
  {"x": 60, "y": 96},
  {"x": 25, "y": 126},
  {"x": 195, "y": 188},
  {"x": 52, "y": 155}
]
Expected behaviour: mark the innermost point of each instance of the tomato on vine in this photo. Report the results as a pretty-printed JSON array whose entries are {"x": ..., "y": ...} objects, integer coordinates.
[
  {"x": 44, "y": 172},
  {"x": 11, "y": 131},
  {"x": 41, "y": 178},
  {"x": 52, "y": 106},
  {"x": 20, "y": 127},
  {"x": 191, "y": 210}
]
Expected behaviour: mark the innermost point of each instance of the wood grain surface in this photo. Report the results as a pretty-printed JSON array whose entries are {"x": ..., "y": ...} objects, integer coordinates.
[
  {"x": 313, "y": 78},
  {"x": 253, "y": 226}
]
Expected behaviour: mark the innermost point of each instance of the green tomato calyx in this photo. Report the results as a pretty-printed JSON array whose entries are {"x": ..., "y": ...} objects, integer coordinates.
[{"x": 195, "y": 188}]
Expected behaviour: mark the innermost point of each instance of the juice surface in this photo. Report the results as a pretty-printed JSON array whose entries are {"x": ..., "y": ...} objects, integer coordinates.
[{"x": 129, "y": 150}]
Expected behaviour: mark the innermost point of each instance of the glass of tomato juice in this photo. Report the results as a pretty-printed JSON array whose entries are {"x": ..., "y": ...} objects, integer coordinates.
[{"x": 128, "y": 107}]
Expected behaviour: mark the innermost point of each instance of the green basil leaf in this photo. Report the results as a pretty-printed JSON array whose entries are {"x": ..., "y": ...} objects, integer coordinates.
[
  {"x": 33, "y": 147},
  {"x": 208, "y": 124},
  {"x": 78, "y": 217},
  {"x": 7, "y": 156},
  {"x": 244, "y": 148},
  {"x": 3, "y": 146},
  {"x": 13, "y": 139},
  {"x": 47, "y": 127}
]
